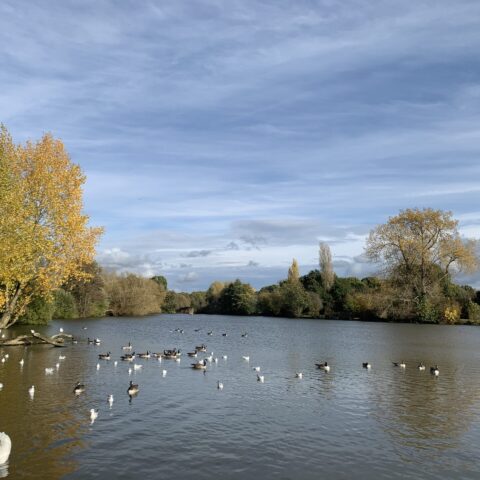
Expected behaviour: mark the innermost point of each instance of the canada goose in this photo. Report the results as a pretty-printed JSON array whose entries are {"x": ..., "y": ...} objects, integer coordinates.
[
  {"x": 104, "y": 356},
  {"x": 48, "y": 371},
  {"x": 132, "y": 389},
  {"x": 90, "y": 341},
  {"x": 78, "y": 388},
  {"x": 246, "y": 358},
  {"x": 435, "y": 371},
  {"x": 144, "y": 355},
  {"x": 224, "y": 334},
  {"x": 323, "y": 366},
  {"x": 127, "y": 347},
  {"x": 260, "y": 378},
  {"x": 401, "y": 364},
  {"x": 201, "y": 348},
  {"x": 366, "y": 365},
  {"x": 128, "y": 357},
  {"x": 192, "y": 354},
  {"x": 421, "y": 366},
  {"x": 5, "y": 447},
  {"x": 200, "y": 365},
  {"x": 210, "y": 333},
  {"x": 244, "y": 334},
  {"x": 299, "y": 375},
  {"x": 219, "y": 385}
]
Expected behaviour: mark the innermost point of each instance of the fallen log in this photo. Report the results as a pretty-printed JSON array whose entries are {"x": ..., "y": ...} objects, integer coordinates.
[{"x": 36, "y": 338}]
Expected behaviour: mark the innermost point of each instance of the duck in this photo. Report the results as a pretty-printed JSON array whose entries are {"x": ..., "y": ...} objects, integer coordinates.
[
  {"x": 421, "y": 366},
  {"x": 78, "y": 388},
  {"x": 93, "y": 414},
  {"x": 48, "y": 371},
  {"x": 127, "y": 347},
  {"x": 261, "y": 378},
  {"x": 219, "y": 385},
  {"x": 104, "y": 356},
  {"x": 435, "y": 371},
  {"x": 5, "y": 447},
  {"x": 401, "y": 364},
  {"x": 132, "y": 389},
  {"x": 323, "y": 366},
  {"x": 192, "y": 354},
  {"x": 144, "y": 355},
  {"x": 246, "y": 358},
  {"x": 299, "y": 375},
  {"x": 200, "y": 365},
  {"x": 366, "y": 365}
]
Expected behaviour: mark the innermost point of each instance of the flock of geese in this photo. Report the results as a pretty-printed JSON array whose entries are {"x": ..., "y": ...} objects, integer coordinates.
[{"x": 174, "y": 354}]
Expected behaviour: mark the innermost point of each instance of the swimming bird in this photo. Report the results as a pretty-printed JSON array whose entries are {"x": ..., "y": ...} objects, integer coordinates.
[
  {"x": 144, "y": 355},
  {"x": 5, "y": 447},
  {"x": 421, "y": 366},
  {"x": 219, "y": 385},
  {"x": 366, "y": 365},
  {"x": 210, "y": 333},
  {"x": 104, "y": 356},
  {"x": 200, "y": 365},
  {"x": 78, "y": 388},
  {"x": 31, "y": 391},
  {"x": 132, "y": 389},
  {"x": 93, "y": 414},
  {"x": 60, "y": 330},
  {"x": 164, "y": 373},
  {"x": 3, "y": 360},
  {"x": 127, "y": 347},
  {"x": 22, "y": 361},
  {"x": 48, "y": 371},
  {"x": 435, "y": 371},
  {"x": 244, "y": 334},
  {"x": 97, "y": 341},
  {"x": 1, "y": 386},
  {"x": 136, "y": 366},
  {"x": 323, "y": 366},
  {"x": 192, "y": 354},
  {"x": 110, "y": 399},
  {"x": 399, "y": 364},
  {"x": 224, "y": 334},
  {"x": 260, "y": 378},
  {"x": 98, "y": 366},
  {"x": 128, "y": 357},
  {"x": 62, "y": 357},
  {"x": 201, "y": 348},
  {"x": 225, "y": 357},
  {"x": 57, "y": 366},
  {"x": 246, "y": 358},
  {"x": 299, "y": 375},
  {"x": 115, "y": 363},
  {"x": 256, "y": 369}
]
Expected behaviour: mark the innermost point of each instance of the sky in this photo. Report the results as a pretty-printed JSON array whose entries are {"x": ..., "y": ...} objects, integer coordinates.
[{"x": 222, "y": 139}]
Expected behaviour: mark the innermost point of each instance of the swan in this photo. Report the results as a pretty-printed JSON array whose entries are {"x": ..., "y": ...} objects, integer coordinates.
[
  {"x": 93, "y": 414},
  {"x": 260, "y": 378},
  {"x": 132, "y": 389},
  {"x": 366, "y": 365},
  {"x": 5, "y": 447},
  {"x": 78, "y": 388},
  {"x": 219, "y": 385},
  {"x": 435, "y": 371},
  {"x": 299, "y": 375},
  {"x": 323, "y": 366}
]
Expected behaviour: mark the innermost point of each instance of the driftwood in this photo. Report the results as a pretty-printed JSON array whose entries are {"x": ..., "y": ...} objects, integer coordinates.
[{"x": 35, "y": 338}]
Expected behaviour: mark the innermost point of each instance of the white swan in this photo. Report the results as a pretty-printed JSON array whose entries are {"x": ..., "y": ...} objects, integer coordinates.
[{"x": 5, "y": 447}]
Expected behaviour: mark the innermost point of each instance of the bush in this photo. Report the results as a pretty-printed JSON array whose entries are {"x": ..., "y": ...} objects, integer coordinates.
[
  {"x": 38, "y": 312},
  {"x": 64, "y": 305}
]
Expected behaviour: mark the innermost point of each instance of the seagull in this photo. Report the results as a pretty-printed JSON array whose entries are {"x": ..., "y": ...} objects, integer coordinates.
[
  {"x": 5, "y": 447},
  {"x": 57, "y": 366},
  {"x": 136, "y": 366},
  {"x": 246, "y": 358},
  {"x": 421, "y": 366},
  {"x": 219, "y": 385},
  {"x": 256, "y": 369},
  {"x": 22, "y": 361},
  {"x": 299, "y": 375},
  {"x": 48, "y": 371},
  {"x": 62, "y": 357},
  {"x": 164, "y": 373},
  {"x": 115, "y": 363},
  {"x": 31, "y": 391},
  {"x": 98, "y": 366},
  {"x": 225, "y": 357},
  {"x": 260, "y": 378},
  {"x": 93, "y": 415},
  {"x": 60, "y": 330},
  {"x": 110, "y": 400}
]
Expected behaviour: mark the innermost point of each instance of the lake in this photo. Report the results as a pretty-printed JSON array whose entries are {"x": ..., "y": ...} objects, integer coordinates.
[{"x": 383, "y": 423}]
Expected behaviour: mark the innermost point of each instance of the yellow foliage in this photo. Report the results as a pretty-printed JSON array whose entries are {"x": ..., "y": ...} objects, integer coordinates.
[
  {"x": 451, "y": 314},
  {"x": 44, "y": 236}
]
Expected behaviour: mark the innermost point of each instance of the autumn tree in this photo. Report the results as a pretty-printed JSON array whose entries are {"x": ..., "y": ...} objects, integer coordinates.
[
  {"x": 326, "y": 267},
  {"x": 419, "y": 250},
  {"x": 293, "y": 272},
  {"x": 44, "y": 235}
]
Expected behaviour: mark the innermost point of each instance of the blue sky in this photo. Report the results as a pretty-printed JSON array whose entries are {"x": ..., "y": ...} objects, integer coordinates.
[{"x": 221, "y": 139}]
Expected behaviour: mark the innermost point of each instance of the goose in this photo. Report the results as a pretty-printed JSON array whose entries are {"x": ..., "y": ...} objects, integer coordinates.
[
  {"x": 31, "y": 391},
  {"x": 164, "y": 373},
  {"x": 192, "y": 354},
  {"x": 127, "y": 347},
  {"x": 323, "y": 366},
  {"x": 48, "y": 371},
  {"x": 366, "y": 365},
  {"x": 219, "y": 385},
  {"x": 197, "y": 329},
  {"x": 435, "y": 371},
  {"x": 256, "y": 369},
  {"x": 78, "y": 388},
  {"x": 200, "y": 365},
  {"x": 93, "y": 414},
  {"x": 128, "y": 357},
  {"x": 299, "y": 375},
  {"x": 246, "y": 358},
  {"x": 210, "y": 333},
  {"x": 260, "y": 378},
  {"x": 224, "y": 334},
  {"x": 90, "y": 341},
  {"x": 5, "y": 447},
  {"x": 144, "y": 355},
  {"x": 110, "y": 399},
  {"x": 132, "y": 389},
  {"x": 104, "y": 356},
  {"x": 401, "y": 364},
  {"x": 62, "y": 357},
  {"x": 421, "y": 366},
  {"x": 201, "y": 348}
]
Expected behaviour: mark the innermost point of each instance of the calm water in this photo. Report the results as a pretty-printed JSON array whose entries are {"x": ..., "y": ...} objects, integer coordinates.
[{"x": 349, "y": 423}]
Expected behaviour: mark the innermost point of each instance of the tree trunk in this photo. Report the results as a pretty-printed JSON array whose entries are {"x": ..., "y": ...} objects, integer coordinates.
[{"x": 8, "y": 319}]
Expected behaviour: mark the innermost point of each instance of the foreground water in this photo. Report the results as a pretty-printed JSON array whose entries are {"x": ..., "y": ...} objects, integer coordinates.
[{"x": 348, "y": 423}]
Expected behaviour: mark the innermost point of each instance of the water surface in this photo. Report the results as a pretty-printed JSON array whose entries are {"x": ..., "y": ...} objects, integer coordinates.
[{"x": 348, "y": 423}]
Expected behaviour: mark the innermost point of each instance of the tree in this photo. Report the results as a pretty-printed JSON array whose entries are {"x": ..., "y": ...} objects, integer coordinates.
[
  {"x": 161, "y": 280},
  {"x": 293, "y": 272},
  {"x": 420, "y": 250},
  {"x": 238, "y": 299},
  {"x": 326, "y": 267},
  {"x": 44, "y": 236}
]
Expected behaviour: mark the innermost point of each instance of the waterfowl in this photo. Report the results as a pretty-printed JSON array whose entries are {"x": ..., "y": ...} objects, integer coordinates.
[
  {"x": 245, "y": 334},
  {"x": 366, "y": 365},
  {"x": 225, "y": 357},
  {"x": 200, "y": 365},
  {"x": 62, "y": 357},
  {"x": 132, "y": 389},
  {"x": 210, "y": 333},
  {"x": 21, "y": 362},
  {"x": 57, "y": 366},
  {"x": 299, "y": 375},
  {"x": 144, "y": 355},
  {"x": 192, "y": 354},
  {"x": 48, "y": 371},
  {"x": 104, "y": 356},
  {"x": 171, "y": 354},
  {"x": 1, "y": 386},
  {"x": 128, "y": 357},
  {"x": 115, "y": 363},
  {"x": 5, "y": 447},
  {"x": 421, "y": 366},
  {"x": 164, "y": 373},
  {"x": 60, "y": 330},
  {"x": 256, "y": 369},
  {"x": 260, "y": 378},
  {"x": 93, "y": 414},
  {"x": 399, "y": 364},
  {"x": 224, "y": 334},
  {"x": 219, "y": 385},
  {"x": 201, "y": 348},
  {"x": 97, "y": 341},
  {"x": 31, "y": 391},
  {"x": 435, "y": 371},
  {"x": 246, "y": 358},
  {"x": 127, "y": 347},
  {"x": 215, "y": 360},
  {"x": 323, "y": 366},
  {"x": 136, "y": 366},
  {"x": 78, "y": 388},
  {"x": 90, "y": 341},
  {"x": 110, "y": 399},
  {"x": 98, "y": 366}
]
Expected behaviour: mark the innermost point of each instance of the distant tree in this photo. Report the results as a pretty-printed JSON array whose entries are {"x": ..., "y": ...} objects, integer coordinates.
[
  {"x": 294, "y": 299},
  {"x": 293, "y": 272},
  {"x": 198, "y": 301},
  {"x": 64, "y": 305},
  {"x": 161, "y": 280},
  {"x": 326, "y": 266},
  {"x": 238, "y": 299},
  {"x": 270, "y": 301}
]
